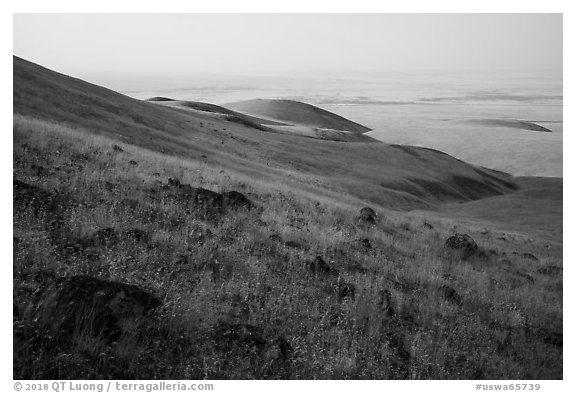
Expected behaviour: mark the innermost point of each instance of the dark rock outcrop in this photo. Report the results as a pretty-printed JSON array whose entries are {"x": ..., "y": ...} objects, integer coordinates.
[
  {"x": 41, "y": 201},
  {"x": 367, "y": 215},
  {"x": 461, "y": 242},
  {"x": 550, "y": 271},
  {"x": 365, "y": 244},
  {"x": 137, "y": 235},
  {"x": 86, "y": 304},
  {"x": 209, "y": 199},
  {"x": 235, "y": 199},
  {"x": 105, "y": 237},
  {"x": 320, "y": 268},
  {"x": 386, "y": 303},
  {"x": 530, "y": 256},
  {"x": 345, "y": 290},
  {"x": 450, "y": 294}
]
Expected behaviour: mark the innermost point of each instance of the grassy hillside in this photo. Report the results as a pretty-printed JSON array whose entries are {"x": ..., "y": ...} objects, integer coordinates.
[
  {"x": 535, "y": 210},
  {"x": 263, "y": 124},
  {"x": 241, "y": 290},
  {"x": 251, "y": 121},
  {"x": 297, "y": 112},
  {"x": 394, "y": 176}
]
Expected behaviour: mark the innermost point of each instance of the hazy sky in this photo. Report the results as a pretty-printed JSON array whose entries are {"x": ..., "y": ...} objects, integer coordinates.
[{"x": 153, "y": 44}]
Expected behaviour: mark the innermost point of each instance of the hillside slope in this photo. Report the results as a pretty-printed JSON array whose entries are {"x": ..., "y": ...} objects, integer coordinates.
[
  {"x": 284, "y": 286},
  {"x": 265, "y": 124},
  {"x": 215, "y": 109},
  {"x": 535, "y": 210},
  {"x": 399, "y": 177}
]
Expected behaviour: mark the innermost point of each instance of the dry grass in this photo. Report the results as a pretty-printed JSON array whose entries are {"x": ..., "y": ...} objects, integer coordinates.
[{"x": 418, "y": 311}]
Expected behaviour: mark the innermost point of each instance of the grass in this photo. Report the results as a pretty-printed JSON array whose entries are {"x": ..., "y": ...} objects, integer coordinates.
[{"x": 417, "y": 312}]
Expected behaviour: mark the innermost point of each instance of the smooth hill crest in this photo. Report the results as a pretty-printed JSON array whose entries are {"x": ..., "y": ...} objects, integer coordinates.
[{"x": 297, "y": 112}]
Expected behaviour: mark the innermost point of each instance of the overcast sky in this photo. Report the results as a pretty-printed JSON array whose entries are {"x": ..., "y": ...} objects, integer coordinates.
[{"x": 155, "y": 44}]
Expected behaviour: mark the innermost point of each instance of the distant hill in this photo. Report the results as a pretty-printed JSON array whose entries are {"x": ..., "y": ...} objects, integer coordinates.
[
  {"x": 227, "y": 114},
  {"x": 509, "y": 123},
  {"x": 298, "y": 113}
]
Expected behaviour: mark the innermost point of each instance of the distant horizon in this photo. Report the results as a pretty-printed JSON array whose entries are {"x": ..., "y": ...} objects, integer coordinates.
[
  {"x": 268, "y": 45},
  {"x": 126, "y": 82}
]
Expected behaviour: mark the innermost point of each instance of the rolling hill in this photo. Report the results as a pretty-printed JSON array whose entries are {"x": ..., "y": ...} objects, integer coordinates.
[
  {"x": 297, "y": 113},
  {"x": 509, "y": 123},
  {"x": 399, "y": 177},
  {"x": 309, "y": 129},
  {"x": 227, "y": 114}
]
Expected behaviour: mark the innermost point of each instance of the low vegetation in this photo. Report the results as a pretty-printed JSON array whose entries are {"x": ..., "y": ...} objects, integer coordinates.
[{"x": 293, "y": 284}]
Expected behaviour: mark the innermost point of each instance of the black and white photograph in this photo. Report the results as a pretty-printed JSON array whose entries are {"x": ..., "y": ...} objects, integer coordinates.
[{"x": 287, "y": 196}]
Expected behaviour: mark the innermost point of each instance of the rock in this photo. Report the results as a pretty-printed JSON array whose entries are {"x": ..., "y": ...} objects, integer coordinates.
[
  {"x": 530, "y": 256},
  {"x": 117, "y": 148},
  {"x": 367, "y": 215},
  {"x": 133, "y": 163},
  {"x": 137, "y": 235},
  {"x": 365, "y": 244},
  {"x": 550, "y": 271},
  {"x": 293, "y": 244},
  {"x": 345, "y": 290},
  {"x": 549, "y": 337},
  {"x": 205, "y": 198},
  {"x": 239, "y": 310},
  {"x": 275, "y": 237},
  {"x": 235, "y": 199},
  {"x": 427, "y": 225},
  {"x": 319, "y": 267},
  {"x": 525, "y": 276},
  {"x": 386, "y": 303},
  {"x": 27, "y": 195},
  {"x": 336, "y": 317},
  {"x": 356, "y": 266},
  {"x": 200, "y": 235},
  {"x": 84, "y": 304},
  {"x": 210, "y": 199},
  {"x": 461, "y": 242},
  {"x": 450, "y": 294},
  {"x": 174, "y": 182},
  {"x": 108, "y": 186},
  {"x": 283, "y": 347},
  {"x": 15, "y": 243},
  {"x": 105, "y": 237},
  {"x": 39, "y": 170}
]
